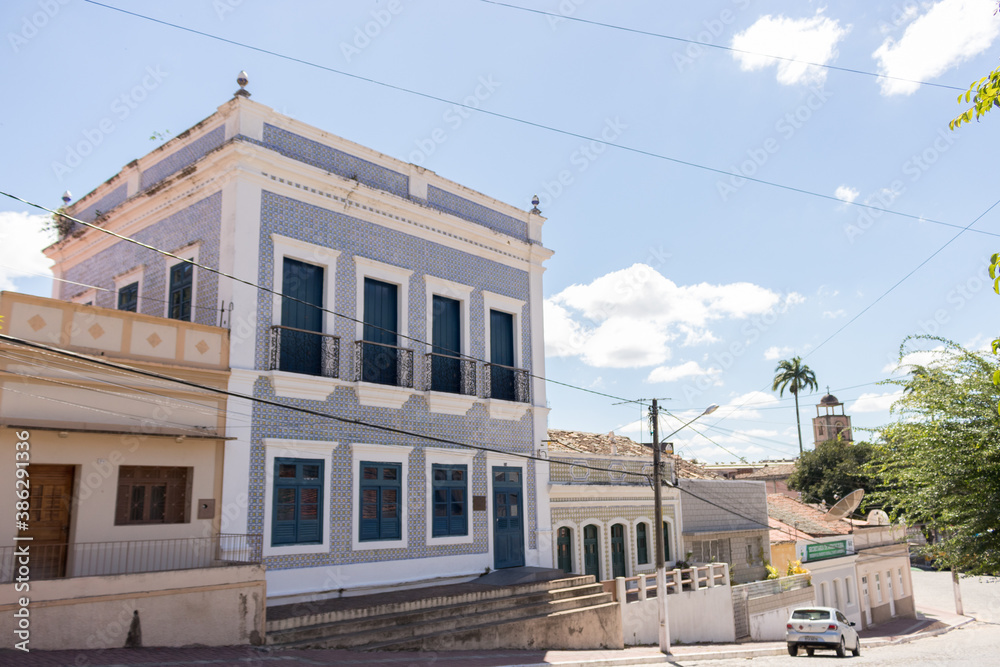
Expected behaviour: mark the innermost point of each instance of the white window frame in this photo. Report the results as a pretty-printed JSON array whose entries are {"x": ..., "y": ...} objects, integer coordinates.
[
  {"x": 439, "y": 456},
  {"x": 310, "y": 253},
  {"x": 495, "y": 459},
  {"x": 506, "y": 304},
  {"x": 133, "y": 276},
  {"x": 878, "y": 587},
  {"x": 297, "y": 449},
  {"x": 87, "y": 295},
  {"x": 380, "y": 454},
  {"x": 629, "y": 546},
  {"x": 576, "y": 544},
  {"x": 188, "y": 252},
  {"x": 452, "y": 290},
  {"x": 650, "y": 543},
  {"x": 369, "y": 268}
]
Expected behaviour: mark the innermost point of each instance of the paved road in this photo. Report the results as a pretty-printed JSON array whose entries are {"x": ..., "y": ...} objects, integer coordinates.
[
  {"x": 980, "y": 595},
  {"x": 974, "y": 644}
]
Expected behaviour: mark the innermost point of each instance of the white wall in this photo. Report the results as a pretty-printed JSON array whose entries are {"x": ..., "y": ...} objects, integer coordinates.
[{"x": 705, "y": 615}]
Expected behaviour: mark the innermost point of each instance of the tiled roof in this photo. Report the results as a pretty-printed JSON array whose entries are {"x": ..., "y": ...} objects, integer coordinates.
[
  {"x": 782, "y": 532},
  {"x": 803, "y": 517},
  {"x": 609, "y": 444},
  {"x": 769, "y": 472}
]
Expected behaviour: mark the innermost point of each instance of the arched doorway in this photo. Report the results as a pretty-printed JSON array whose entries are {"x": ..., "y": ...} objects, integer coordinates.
[
  {"x": 591, "y": 555},
  {"x": 617, "y": 550},
  {"x": 564, "y": 549}
]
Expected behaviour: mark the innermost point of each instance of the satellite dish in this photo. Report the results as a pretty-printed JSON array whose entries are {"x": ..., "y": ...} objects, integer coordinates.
[
  {"x": 878, "y": 518},
  {"x": 845, "y": 506}
]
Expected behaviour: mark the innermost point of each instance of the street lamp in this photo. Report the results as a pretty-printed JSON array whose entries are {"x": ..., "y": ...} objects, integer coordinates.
[{"x": 661, "y": 574}]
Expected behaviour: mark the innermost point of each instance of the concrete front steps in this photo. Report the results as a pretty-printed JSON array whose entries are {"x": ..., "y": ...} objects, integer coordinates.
[{"x": 569, "y": 613}]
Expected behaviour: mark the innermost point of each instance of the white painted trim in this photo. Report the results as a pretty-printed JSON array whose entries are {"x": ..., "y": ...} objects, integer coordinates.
[
  {"x": 504, "y": 304},
  {"x": 310, "y": 253},
  {"x": 509, "y": 460},
  {"x": 628, "y": 555},
  {"x": 370, "y": 268},
  {"x": 382, "y": 395},
  {"x": 650, "y": 544},
  {"x": 452, "y": 290},
  {"x": 380, "y": 454},
  {"x": 444, "y": 403},
  {"x": 508, "y": 410},
  {"x": 189, "y": 252},
  {"x": 125, "y": 279},
  {"x": 297, "y": 385},
  {"x": 86, "y": 296},
  {"x": 439, "y": 456},
  {"x": 297, "y": 449},
  {"x": 575, "y": 545}
]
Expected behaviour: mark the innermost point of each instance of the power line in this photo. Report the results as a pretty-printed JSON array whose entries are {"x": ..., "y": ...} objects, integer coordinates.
[
  {"x": 721, "y": 47},
  {"x": 254, "y": 285},
  {"x": 356, "y": 422},
  {"x": 522, "y": 121}
]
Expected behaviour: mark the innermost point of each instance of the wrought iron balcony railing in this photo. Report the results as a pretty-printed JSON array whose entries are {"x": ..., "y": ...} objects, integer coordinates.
[
  {"x": 307, "y": 352},
  {"x": 450, "y": 374},
  {"x": 94, "y": 559},
  {"x": 383, "y": 364},
  {"x": 506, "y": 383}
]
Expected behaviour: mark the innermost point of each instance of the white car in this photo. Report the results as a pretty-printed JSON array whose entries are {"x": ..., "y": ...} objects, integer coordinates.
[{"x": 821, "y": 628}]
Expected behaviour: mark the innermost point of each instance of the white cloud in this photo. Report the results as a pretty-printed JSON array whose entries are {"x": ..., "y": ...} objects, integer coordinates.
[
  {"x": 630, "y": 318},
  {"x": 22, "y": 239},
  {"x": 774, "y": 352},
  {"x": 875, "y": 402},
  {"x": 809, "y": 40},
  {"x": 846, "y": 193},
  {"x": 925, "y": 358},
  {"x": 833, "y": 314},
  {"x": 947, "y": 34},
  {"x": 687, "y": 369}
]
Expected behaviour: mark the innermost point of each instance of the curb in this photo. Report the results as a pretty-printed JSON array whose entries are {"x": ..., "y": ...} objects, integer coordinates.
[{"x": 739, "y": 654}]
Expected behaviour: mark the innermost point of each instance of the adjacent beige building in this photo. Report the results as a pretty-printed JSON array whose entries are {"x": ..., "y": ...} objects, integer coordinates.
[{"x": 122, "y": 476}]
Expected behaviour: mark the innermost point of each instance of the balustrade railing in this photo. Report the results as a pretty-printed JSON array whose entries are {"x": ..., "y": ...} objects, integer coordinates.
[
  {"x": 506, "y": 383},
  {"x": 91, "y": 559},
  {"x": 307, "y": 352},
  {"x": 450, "y": 374},
  {"x": 383, "y": 364}
]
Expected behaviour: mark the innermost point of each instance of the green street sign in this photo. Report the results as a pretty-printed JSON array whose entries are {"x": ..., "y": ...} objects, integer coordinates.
[{"x": 826, "y": 550}]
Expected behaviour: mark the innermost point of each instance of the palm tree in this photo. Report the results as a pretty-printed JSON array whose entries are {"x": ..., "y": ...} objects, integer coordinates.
[{"x": 795, "y": 376}]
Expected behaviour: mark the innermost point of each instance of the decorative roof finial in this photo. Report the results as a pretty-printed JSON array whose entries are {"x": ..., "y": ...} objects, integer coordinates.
[
  {"x": 534, "y": 204},
  {"x": 243, "y": 81},
  {"x": 67, "y": 198}
]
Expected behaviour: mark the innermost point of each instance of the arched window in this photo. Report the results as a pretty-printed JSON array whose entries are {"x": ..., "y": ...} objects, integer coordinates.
[
  {"x": 641, "y": 542},
  {"x": 591, "y": 553},
  {"x": 564, "y": 549}
]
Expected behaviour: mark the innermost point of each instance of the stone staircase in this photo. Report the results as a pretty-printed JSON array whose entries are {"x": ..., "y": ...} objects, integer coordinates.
[{"x": 567, "y": 613}]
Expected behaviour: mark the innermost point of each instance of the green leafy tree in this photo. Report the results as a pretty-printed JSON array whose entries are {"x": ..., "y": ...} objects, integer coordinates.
[
  {"x": 995, "y": 276},
  {"x": 939, "y": 463},
  {"x": 793, "y": 375},
  {"x": 983, "y": 95},
  {"x": 832, "y": 470}
]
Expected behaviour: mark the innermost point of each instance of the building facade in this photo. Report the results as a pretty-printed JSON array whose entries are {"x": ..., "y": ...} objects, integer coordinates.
[
  {"x": 392, "y": 369},
  {"x": 119, "y": 477}
]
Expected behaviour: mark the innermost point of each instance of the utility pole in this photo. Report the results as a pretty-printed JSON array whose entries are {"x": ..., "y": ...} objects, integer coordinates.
[{"x": 661, "y": 563}]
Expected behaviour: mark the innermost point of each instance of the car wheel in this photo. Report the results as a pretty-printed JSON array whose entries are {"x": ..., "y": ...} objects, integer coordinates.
[
  {"x": 856, "y": 651},
  {"x": 840, "y": 649},
  {"x": 810, "y": 651},
  {"x": 793, "y": 650}
]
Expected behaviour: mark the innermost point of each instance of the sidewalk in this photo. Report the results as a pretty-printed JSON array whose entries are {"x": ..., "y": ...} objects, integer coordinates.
[{"x": 930, "y": 622}]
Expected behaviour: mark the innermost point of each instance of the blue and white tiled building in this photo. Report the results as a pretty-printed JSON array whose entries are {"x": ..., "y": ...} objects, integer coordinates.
[{"x": 404, "y": 302}]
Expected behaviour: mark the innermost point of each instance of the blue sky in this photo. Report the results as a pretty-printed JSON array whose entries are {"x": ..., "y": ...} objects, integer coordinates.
[{"x": 673, "y": 276}]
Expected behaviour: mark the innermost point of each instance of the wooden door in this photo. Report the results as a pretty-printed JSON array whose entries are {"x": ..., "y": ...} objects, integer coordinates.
[{"x": 51, "y": 497}]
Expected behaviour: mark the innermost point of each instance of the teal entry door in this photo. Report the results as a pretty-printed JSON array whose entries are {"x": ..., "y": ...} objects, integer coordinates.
[{"x": 508, "y": 518}]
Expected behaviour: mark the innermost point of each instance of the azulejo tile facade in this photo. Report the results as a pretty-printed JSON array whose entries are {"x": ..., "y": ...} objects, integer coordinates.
[{"x": 252, "y": 192}]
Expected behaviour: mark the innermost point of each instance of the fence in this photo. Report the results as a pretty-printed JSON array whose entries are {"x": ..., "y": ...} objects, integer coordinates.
[
  {"x": 89, "y": 559},
  {"x": 689, "y": 579}
]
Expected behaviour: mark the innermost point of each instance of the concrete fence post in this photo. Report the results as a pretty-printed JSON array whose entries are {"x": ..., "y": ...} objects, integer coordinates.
[
  {"x": 711, "y": 575},
  {"x": 620, "y": 594},
  {"x": 642, "y": 587}
]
